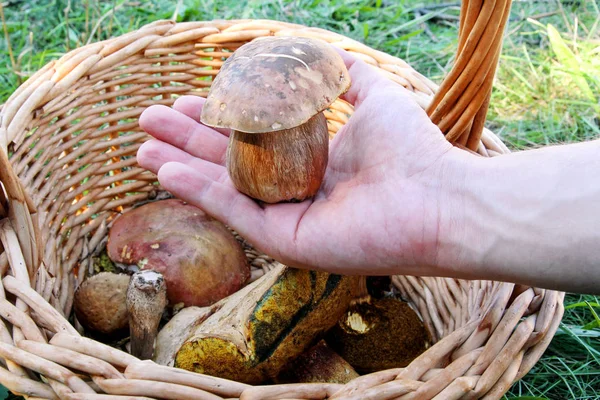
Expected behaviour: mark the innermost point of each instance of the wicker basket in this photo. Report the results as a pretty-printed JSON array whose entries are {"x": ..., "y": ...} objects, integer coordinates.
[{"x": 69, "y": 136}]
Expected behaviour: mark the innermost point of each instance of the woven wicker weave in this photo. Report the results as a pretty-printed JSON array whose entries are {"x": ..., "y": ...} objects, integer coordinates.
[{"x": 69, "y": 136}]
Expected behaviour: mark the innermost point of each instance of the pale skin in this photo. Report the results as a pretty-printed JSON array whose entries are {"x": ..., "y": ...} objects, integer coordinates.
[{"x": 397, "y": 198}]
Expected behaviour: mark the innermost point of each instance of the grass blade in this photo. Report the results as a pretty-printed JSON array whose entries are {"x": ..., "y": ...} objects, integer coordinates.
[{"x": 567, "y": 58}]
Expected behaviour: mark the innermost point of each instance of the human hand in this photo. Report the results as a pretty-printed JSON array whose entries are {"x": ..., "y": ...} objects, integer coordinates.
[{"x": 381, "y": 207}]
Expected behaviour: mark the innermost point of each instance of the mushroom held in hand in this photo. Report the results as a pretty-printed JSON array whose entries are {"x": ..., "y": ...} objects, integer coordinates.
[
  {"x": 146, "y": 301},
  {"x": 200, "y": 259},
  {"x": 272, "y": 93},
  {"x": 99, "y": 303}
]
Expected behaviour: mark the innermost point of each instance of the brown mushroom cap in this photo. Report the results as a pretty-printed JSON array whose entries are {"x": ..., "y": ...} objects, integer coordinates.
[
  {"x": 99, "y": 302},
  {"x": 200, "y": 259},
  {"x": 275, "y": 83}
]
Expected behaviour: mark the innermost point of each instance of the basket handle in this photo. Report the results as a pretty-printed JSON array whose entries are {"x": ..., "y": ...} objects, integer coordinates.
[{"x": 459, "y": 107}]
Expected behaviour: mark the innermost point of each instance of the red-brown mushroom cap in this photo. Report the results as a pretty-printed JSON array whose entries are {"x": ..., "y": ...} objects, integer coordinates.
[
  {"x": 200, "y": 259},
  {"x": 275, "y": 83}
]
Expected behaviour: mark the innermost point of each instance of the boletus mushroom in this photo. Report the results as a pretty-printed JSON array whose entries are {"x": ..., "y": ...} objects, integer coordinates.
[
  {"x": 99, "y": 303},
  {"x": 259, "y": 329},
  {"x": 179, "y": 328},
  {"x": 272, "y": 93},
  {"x": 378, "y": 333},
  {"x": 318, "y": 364},
  {"x": 200, "y": 259},
  {"x": 146, "y": 302}
]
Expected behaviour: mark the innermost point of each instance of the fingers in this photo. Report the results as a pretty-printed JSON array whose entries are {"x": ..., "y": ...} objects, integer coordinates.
[
  {"x": 192, "y": 107},
  {"x": 221, "y": 200},
  {"x": 181, "y": 131},
  {"x": 364, "y": 78},
  {"x": 153, "y": 154},
  {"x": 271, "y": 229}
]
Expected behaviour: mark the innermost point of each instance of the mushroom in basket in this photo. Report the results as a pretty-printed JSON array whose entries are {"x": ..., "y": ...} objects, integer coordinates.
[
  {"x": 99, "y": 303},
  {"x": 378, "y": 332},
  {"x": 184, "y": 257},
  {"x": 200, "y": 259}
]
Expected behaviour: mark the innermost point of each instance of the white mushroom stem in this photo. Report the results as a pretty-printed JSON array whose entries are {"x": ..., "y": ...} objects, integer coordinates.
[{"x": 146, "y": 301}]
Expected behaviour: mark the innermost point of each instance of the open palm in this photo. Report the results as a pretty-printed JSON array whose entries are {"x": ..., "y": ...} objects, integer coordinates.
[{"x": 378, "y": 209}]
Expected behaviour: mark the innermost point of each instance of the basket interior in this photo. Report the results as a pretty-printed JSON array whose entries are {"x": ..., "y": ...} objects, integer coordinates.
[{"x": 76, "y": 155}]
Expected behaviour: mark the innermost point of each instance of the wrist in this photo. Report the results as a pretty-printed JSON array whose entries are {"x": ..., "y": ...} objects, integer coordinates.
[
  {"x": 529, "y": 217},
  {"x": 462, "y": 221}
]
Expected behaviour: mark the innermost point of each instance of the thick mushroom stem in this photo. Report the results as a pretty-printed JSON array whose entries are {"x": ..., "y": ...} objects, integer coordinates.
[
  {"x": 146, "y": 301},
  {"x": 285, "y": 165}
]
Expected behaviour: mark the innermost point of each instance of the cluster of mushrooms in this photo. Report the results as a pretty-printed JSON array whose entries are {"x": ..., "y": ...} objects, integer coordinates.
[
  {"x": 168, "y": 253},
  {"x": 183, "y": 294}
]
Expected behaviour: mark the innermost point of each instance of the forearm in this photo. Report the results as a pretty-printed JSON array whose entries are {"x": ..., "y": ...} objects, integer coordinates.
[{"x": 531, "y": 217}]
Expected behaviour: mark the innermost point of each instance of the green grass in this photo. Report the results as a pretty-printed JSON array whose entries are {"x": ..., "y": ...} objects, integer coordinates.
[{"x": 546, "y": 92}]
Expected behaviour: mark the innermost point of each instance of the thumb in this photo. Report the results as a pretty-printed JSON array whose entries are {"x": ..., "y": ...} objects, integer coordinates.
[{"x": 365, "y": 79}]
